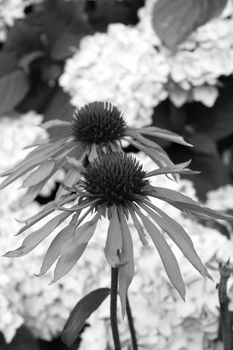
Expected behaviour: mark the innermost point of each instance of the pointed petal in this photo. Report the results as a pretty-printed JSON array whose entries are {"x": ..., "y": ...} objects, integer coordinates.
[
  {"x": 139, "y": 228},
  {"x": 48, "y": 209},
  {"x": 36, "y": 237},
  {"x": 176, "y": 169},
  {"x": 66, "y": 262},
  {"x": 83, "y": 233},
  {"x": 180, "y": 237},
  {"x": 114, "y": 240},
  {"x": 43, "y": 171},
  {"x": 71, "y": 178},
  {"x": 185, "y": 203},
  {"x": 168, "y": 258},
  {"x": 126, "y": 270},
  {"x": 161, "y": 133},
  {"x": 55, "y": 123},
  {"x": 54, "y": 249}
]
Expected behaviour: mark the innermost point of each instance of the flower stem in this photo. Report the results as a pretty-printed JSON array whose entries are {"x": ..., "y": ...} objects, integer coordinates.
[
  {"x": 113, "y": 308},
  {"x": 131, "y": 325}
]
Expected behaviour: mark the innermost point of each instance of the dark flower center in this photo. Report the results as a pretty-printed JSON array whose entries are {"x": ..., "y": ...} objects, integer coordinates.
[
  {"x": 115, "y": 178},
  {"x": 98, "y": 122}
]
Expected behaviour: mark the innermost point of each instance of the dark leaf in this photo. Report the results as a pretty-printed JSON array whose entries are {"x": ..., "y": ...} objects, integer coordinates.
[
  {"x": 59, "y": 108},
  {"x": 24, "y": 37},
  {"x": 8, "y": 63},
  {"x": 13, "y": 88},
  {"x": 216, "y": 122},
  {"x": 213, "y": 173},
  {"x": 83, "y": 309},
  {"x": 202, "y": 144},
  {"x": 23, "y": 340},
  {"x": 28, "y": 58},
  {"x": 65, "y": 45},
  {"x": 175, "y": 20}
]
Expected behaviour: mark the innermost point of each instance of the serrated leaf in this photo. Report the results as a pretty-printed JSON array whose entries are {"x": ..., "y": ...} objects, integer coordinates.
[
  {"x": 13, "y": 88},
  {"x": 174, "y": 21},
  {"x": 83, "y": 309}
]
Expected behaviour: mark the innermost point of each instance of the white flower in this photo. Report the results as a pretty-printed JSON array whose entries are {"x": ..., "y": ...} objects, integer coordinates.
[{"x": 121, "y": 67}]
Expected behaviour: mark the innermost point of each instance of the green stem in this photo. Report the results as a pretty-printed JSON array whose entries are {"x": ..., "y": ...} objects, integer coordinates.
[
  {"x": 113, "y": 308},
  {"x": 131, "y": 325}
]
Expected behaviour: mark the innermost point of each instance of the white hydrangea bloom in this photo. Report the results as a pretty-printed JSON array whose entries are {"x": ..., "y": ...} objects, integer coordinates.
[
  {"x": 130, "y": 67},
  {"x": 10, "y": 10},
  {"x": 121, "y": 67},
  {"x": 199, "y": 61}
]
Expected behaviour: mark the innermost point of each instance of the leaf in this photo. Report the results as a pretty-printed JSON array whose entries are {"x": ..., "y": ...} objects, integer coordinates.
[
  {"x": 8, "y": 63},
  {"x": 216, "y": 122},
  {"x": 13, "y": 88},
  {"x": 83, "y": 309},
  {"x": 65, "y": 45},
  {"x": 203, "y": 144},
  {"x": 175, "y": 20}
]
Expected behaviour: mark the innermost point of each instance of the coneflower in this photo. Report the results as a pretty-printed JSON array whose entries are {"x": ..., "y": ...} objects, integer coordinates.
[
  {"x": 115, "y": 186},
  {"x": 95, "y": 129}
]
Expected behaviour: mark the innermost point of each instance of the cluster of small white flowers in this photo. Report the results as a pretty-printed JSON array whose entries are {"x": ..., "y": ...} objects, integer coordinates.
[
  {"x": 10, "y": 10},
  {"x": 205, "y": 55},
  {"x": 121, "y": 67},
  {"x": 130, "y": 67}
]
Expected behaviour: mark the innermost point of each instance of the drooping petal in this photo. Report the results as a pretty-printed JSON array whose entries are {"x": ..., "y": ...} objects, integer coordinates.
[
  {"x": 48, "y": 209},
  {"x": 36, "y": 237},
  {"x": 84, "y": 232},
  {"x": 126, "y": 270},
  {"x": 66, "y": 262},
  {"x": 114, "y": 239},
  {"x": 139, "y": 228},
  {"x": 168, "y": 258},
  {"x": 38, "y": 175},
  {"x": 184, "y": 203},
  {"x": 176, "y": 169},
  {"x": 72, "y": 177},
  {"x": 160, "y": 133},
  {"x": 54, "y": 249},
  {"x": 180, "y": 237}
]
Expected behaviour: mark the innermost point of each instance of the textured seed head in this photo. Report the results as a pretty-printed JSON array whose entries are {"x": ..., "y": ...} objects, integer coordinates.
[
  {"x": 98, "y": 122},
  {"x": 115, "y": 178}
]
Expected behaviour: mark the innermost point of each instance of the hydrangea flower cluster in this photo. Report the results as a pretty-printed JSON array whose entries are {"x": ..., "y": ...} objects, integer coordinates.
[
  {"x": 120, "y": 66},
  {"x": 198, "y": 63},
  {"x": 130, "y": 67}
]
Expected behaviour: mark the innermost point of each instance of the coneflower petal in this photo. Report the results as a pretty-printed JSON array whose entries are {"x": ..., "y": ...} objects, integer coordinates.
[
  {"x": 160, "y": 133},
  {"x": 168, "y": 258},
  {"x": 126, "y": 270},
  {"x": 177, "y": 168},
  {"x": 139, "y": 228},
  {"x": 38, "y": 175},
  {"x": 36, "y": 237},
  {"x": 66, "y": 262},
  {"x": 180, "y": 238},
  {"x": 54, "y": 249},
  {"x": 113, "y": 244},
  {"x": 83, "y": 234}
]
